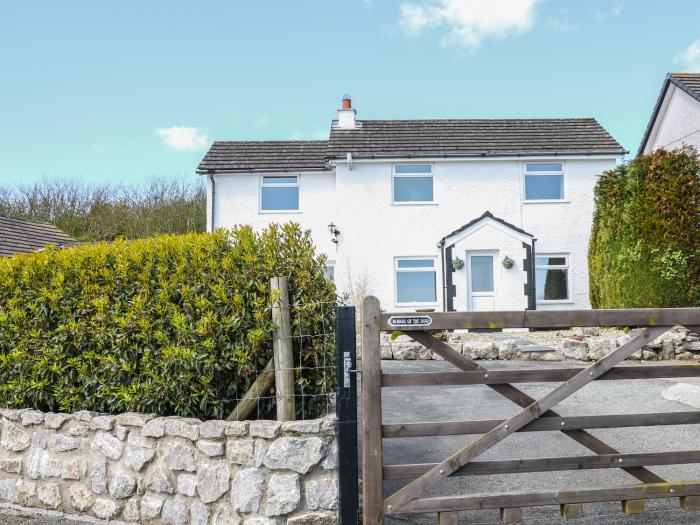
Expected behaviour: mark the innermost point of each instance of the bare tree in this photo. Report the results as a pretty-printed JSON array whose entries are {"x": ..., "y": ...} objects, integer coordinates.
[{"x": 92, "y": 212}]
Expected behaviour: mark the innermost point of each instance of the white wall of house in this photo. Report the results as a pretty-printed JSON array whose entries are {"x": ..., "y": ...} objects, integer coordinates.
[
  {"x": 374, "y": 231},
  {"x": 238, "y": 202},
  {"x": 677, "y": 123}
]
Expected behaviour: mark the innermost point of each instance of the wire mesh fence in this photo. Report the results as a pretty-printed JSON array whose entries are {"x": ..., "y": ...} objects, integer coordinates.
[{"x": 313, "y": 340}]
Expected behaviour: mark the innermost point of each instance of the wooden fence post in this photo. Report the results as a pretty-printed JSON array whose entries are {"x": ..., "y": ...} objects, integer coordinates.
[
  {"x": 372, "y": 485},
  {"x": 283, "y": 352},
  {"x": 250, "y": 400}
]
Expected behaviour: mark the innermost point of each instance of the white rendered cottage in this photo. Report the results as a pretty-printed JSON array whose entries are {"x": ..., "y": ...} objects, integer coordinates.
[
  {"x": 430, "y": 214},
  {"x": 675, "y": 121}
]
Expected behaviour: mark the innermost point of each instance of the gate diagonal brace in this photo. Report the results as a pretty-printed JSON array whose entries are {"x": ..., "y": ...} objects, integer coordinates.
[
  {"x": 520, "y": 398},
  {"x": 531, "y": 412}
]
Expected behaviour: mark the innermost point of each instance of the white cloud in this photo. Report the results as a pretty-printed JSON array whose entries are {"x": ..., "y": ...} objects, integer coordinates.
[
  {"x": 690, "y": 57},
  {"x": 180, "y": 138},
  {"x": 468, "y": 22}
]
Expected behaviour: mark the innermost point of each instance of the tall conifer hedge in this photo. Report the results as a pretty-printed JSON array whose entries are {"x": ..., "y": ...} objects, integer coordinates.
[
  {"x": 170, "y": 324},
  {"x": 645, "y": 243}
]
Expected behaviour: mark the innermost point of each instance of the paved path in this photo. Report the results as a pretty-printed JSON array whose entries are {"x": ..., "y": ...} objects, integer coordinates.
[{"x": 478, "y": 402}]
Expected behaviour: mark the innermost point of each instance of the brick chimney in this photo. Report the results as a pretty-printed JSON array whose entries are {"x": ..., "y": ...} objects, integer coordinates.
[{"x": 346, "y": 114}]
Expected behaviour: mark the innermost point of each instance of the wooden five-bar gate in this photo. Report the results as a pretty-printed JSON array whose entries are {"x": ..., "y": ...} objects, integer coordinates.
[{"x": 536, "y": 415}]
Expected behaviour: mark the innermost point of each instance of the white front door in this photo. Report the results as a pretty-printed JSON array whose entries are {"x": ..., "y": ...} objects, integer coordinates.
[{"x": 481, "y": 288}]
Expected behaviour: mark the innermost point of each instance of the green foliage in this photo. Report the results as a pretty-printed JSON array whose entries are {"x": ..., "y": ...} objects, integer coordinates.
[
  {"x": 105, "y": 212},
  {"x": 645, "y": 244},
  {"x": 170, "y": 324}
]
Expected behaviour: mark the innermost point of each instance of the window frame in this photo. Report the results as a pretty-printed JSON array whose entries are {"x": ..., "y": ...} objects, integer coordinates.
[
  {"x": 566, "y": 266},
  {"x": 397, "y": 270},
  {"x": 526, "y": 173},
  {"x": 329, "y": 271},
  {"x": 394, "y": 175},
  {"x": 296, "y": 184}
]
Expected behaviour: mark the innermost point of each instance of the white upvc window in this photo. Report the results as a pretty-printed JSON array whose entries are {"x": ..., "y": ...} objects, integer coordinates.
[
  {"x": 329, "y": 271},
  {"x": 543, "y": 182},
  {"x": 416, "y": 280},
  {"x": 279, "y": 193},
  {"x": 552, "y": 279},
  {"x": 412, "y": 184}
]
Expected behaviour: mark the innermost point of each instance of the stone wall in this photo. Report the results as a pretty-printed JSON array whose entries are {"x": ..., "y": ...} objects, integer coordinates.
[
  {"x": 154, "y": 470},
  {"x": 578, "y": 344}
]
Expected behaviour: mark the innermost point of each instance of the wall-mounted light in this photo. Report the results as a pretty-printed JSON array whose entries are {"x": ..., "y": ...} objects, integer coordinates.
[{"x": 334, "y": 233}]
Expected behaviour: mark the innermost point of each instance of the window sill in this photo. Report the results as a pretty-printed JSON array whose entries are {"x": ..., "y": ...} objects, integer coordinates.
[
  {"x": 277, "y": 212},
  {"x": 547, "y": 201},
  {"x": 415, "y": 203},
  {"x": 416, "y": 305}
]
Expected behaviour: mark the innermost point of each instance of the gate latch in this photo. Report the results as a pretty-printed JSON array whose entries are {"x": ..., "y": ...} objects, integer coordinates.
[{"x": 347, "y": 365}]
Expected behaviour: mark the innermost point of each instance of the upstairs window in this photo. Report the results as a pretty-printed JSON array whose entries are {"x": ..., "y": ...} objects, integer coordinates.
[
  {"x": 552, "y": 277},
  {"x": 544, "y": 181},
  {"x": 415, "y": 280},
  {"x": 279, "y": 193},
  {"x": 412, "y": 183}
]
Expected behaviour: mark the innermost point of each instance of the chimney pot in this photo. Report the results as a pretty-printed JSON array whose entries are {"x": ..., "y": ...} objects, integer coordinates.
[{"x": 346, "y": 114}]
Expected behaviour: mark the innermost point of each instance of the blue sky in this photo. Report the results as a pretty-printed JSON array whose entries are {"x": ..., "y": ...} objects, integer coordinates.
[{"x": 120, "y": 91}]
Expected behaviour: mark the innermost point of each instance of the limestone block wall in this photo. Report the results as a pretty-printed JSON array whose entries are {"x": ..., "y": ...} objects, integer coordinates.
[
  {"x": 577, "y": 344},
  {"x": 166, "y": 470}
]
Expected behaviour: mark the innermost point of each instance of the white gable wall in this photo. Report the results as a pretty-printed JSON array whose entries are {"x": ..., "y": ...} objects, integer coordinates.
[
  {"x": 678, "y": 122},
  {"x": 238, "y": 202}
]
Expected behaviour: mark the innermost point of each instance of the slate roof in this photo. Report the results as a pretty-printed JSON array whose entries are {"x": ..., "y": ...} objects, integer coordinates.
[
  {"x": 18, "y": 236},
  {"x": 688, "y": 82},
  {"x": 417, "y": 139},
  {"x": 473, "y": 138},
  {"x": 265, "y": 156},
  {"x": 486, "y": 215}
]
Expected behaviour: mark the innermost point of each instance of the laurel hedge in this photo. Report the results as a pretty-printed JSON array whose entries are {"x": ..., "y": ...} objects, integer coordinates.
[
  {"x": 645, "y": 244},
  {"x": 174, "y": 325}
]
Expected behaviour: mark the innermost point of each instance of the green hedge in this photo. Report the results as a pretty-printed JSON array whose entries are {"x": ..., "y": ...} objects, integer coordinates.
[
  {"x": 170, "y": 324},
  {"x": 645, "y": 243}
]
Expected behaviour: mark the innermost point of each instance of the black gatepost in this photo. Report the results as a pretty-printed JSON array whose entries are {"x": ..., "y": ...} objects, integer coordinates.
[{"x": 346, "y": 411}]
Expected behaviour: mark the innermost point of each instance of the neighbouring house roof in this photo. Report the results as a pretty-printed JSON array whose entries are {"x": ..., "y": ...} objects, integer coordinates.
[
  {"x": 473, "y": 138},
  {"x": 486, "y": 215},
  {"x": 688, "y": 82},
  {"x": 417, "y": 139},
  {"x": 265, "y": 156},
  {"x": 19, "y": 236}
]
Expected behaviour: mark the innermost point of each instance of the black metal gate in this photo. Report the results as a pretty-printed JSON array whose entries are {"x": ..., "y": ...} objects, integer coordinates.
[{"x": 346, "y": 410}]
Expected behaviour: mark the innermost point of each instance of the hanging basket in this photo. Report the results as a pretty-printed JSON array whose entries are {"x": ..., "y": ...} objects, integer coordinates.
[
  {"x": 508, "y": 263},
  {"x": 457, "y": 263}
]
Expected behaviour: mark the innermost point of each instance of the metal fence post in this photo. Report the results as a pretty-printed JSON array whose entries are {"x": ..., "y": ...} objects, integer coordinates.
[
  {"x": 346, "y": 411},
  {"x": 282, "y": 346}
]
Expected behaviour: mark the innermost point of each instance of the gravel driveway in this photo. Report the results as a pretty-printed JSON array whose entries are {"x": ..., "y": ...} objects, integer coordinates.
[{"x": 479, "y": 402}]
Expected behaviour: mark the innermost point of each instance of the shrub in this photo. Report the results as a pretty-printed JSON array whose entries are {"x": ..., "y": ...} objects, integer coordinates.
[
  {"x": 645, "y": 243},
  {"x": 170, "y": 324}
]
